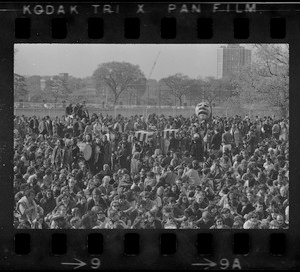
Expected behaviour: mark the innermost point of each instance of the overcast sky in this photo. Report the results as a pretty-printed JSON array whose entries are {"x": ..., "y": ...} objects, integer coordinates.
[{"x": 80, "y": 60}]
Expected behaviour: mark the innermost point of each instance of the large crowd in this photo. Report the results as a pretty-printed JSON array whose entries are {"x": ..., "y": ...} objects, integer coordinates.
[{"x": 227, "y": 173}]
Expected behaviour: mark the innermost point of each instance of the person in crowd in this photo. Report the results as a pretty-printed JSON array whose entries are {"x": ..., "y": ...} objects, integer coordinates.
[
  {"x": 197, "y": 149},
  {"x": 227, "y": 139},
  {"x": 28, "y": 209},
  {"x": 219, "y": 223}
]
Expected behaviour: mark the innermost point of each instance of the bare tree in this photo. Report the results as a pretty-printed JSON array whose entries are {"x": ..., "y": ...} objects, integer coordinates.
[
  {"x": 265, "y": 81},
  {"x": 179, "y": 85},
  {"x": 118, "y": 77}
]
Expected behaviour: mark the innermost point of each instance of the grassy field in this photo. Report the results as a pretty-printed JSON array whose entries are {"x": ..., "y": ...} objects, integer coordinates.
[
  {"x": 113, "y": 112},
  {"x": 167, "y": 111}
]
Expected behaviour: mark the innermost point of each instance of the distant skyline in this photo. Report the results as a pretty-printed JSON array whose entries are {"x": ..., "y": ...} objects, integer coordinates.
[{"x": 80, "y": 60}]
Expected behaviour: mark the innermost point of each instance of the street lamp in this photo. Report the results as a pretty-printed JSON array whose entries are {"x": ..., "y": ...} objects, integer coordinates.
[
  {"x": 227, "y": 111},
  {"x": 250, "y": 110}
]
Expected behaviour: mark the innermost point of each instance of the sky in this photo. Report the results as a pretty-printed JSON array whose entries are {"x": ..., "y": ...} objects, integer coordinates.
[{"x": 80, "y": 60}]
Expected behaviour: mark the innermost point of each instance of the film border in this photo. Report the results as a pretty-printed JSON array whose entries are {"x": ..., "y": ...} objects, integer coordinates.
[{"x": 112, "y": 257}]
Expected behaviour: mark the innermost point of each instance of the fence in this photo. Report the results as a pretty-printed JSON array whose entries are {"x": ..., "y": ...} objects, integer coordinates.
[{"x": 53, "y": 110}]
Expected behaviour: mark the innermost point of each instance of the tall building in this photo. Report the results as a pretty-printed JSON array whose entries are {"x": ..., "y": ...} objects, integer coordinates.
[
  {"x": 63, "y": 75},
  {"x": 231, "y": 58}
]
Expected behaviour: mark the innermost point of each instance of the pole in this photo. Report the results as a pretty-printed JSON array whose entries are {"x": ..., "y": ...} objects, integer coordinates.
[
  {"x": 159, "y": 99},
  {"x": 250, "y": 111},
  {"x": 148, "y": 92},
  {"x": 227, "y": 111},
  {"x": 106, "y": 94}
]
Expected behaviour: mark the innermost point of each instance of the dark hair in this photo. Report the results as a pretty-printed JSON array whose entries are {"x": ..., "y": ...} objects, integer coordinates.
[
  {"x": 28, "y": 192},
  {"x": 218, "y": 217},
  {"x": 190, "y": 165},
  {"x": 96, "y": 191},
  {"x": 171, "y": 167},
  {"x": 86, "y": 222}
]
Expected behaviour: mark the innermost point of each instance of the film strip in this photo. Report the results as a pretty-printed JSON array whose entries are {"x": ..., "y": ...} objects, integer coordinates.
[{"x": 143, "y": 23}]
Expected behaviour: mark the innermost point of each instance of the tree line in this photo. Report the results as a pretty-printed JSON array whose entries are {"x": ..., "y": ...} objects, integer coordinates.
[{"x": 264, "y": 82}]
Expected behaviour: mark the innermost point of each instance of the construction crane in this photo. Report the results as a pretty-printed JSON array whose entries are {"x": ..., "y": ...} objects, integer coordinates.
[{"x": 150, "y": 74}]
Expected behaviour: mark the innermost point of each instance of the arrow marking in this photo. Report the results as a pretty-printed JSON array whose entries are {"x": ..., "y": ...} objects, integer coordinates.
[
  {"x": 77, "y": 265},
  {"x": 208, "y": 264}
]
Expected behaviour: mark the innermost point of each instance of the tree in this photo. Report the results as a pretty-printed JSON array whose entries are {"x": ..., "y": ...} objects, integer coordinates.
[
  {"x": 34, "y": 88},
  {"x": 57, "y": 86},
  {"x": 211, "y": 88},
  {"x": 265, "y": 81},
  {"x": 118, "y": 77},
  {"x": 179, "y": 85},
  {"x": 20, "y": 88}
]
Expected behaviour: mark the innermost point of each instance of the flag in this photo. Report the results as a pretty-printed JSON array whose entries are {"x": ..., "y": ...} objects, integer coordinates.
[
  {"x": 169, "y": 132},
  {"x": 144, "y": 136}
]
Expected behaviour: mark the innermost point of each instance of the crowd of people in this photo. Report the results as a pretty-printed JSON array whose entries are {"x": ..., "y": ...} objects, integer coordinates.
[{"x": 226, "y": 173}]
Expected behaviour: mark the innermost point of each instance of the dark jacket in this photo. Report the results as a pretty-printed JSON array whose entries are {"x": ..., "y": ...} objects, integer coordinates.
[
  {"x": 197, "y": 150},
  {"x": 48, "y": 204},
  {"x": 174, "y": 144},
  {"x": 205, "y": 225},
  {"x": 242, "y": 211},
  {"x": 216, "y": 141}
]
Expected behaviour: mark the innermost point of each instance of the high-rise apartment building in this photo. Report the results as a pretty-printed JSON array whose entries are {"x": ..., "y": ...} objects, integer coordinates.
[{"x": 231, "y": 58}]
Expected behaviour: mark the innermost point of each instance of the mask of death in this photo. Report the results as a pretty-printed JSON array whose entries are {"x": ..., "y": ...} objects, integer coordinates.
[{"x": 203, "y": 111}]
